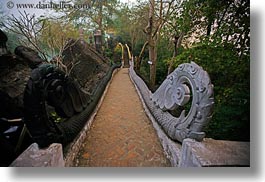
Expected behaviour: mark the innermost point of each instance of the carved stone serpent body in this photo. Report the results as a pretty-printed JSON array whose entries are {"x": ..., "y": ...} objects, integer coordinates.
[
  {"x": 175, "y": 92},
  {"x": 49, "y": 85}
]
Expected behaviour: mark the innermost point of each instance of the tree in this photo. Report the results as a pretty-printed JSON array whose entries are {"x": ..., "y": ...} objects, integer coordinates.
[
  {"x": 155, "y": 15},
  {"x": 218, "y": 40},
  {"x": 29, "y": 28},
  {"x": 156, "y": 20},
  {"x": 220, "y": 22},
  {"x": 57, "y": 36},
  {"x": 129, "y": 23},
  {"x": 98, "y": 14},
  {"x": 49, "y": 37}
]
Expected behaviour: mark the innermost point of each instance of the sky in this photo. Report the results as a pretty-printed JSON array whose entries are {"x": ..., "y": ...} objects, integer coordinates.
[
  {"x": 11, "y": 7},
  {"x": 14, "y": 6}
]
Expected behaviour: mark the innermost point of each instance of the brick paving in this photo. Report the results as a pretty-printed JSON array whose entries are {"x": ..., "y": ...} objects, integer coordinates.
[{"x": 121, "y": 134}]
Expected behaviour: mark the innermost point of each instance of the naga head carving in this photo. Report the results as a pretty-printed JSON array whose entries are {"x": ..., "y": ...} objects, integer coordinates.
[{"x": 187, "y": 83}]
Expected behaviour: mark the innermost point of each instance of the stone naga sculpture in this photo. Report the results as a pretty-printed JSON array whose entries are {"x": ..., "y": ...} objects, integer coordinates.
[
  {"x": 175, "y": 92},
  {"x": 32, "y": 89}
]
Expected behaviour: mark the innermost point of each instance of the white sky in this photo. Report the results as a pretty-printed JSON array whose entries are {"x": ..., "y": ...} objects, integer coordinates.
[
  {"x": 128, "y": 1},
  {"x": 8, "y": 11},
  {"x": 14, "y": 10}
]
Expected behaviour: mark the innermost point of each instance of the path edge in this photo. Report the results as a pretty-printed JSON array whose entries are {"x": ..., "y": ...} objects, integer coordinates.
[
  {"x": 172, "y": 150},
  {"x": 75, "y": 146}
]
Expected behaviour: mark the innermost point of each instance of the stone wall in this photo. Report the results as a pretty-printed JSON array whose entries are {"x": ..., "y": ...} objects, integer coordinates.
[
  {"x": 33, "y": 156},
  {"x": 214, "y": 153}
]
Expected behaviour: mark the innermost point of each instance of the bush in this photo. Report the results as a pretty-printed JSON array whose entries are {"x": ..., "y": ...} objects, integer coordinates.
[{"x": 230, "y": 75}]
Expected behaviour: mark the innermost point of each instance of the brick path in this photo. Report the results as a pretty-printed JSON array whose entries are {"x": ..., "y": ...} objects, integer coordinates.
[{"x": 121, "y": 134}]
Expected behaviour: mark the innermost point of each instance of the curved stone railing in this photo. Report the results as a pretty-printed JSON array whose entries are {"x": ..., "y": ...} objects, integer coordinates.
[
  {"x": 182, "y": 137},
  {"x": 175, "y": 92}
]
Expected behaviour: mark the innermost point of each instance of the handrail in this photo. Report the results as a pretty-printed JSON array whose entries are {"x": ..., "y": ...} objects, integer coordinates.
[{"x": 175, "y": 92}]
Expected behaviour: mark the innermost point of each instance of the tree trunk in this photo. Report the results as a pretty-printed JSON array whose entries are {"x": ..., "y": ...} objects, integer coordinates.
[
  {"x": 151, "y": 42},
  {"x": 152, "y": 58},
  {"x": 100, "y": 27},
  {"x": 139, "y": 58},
  {"x": 177, "y": 44},
  {"x": 100, "y": 17}
]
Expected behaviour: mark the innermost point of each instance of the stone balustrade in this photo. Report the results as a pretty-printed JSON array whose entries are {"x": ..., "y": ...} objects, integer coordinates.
[
  {"x": 188, "y": 149},
  {"x": 186, "y": 146},
  {"x": 33, "y": 156}
]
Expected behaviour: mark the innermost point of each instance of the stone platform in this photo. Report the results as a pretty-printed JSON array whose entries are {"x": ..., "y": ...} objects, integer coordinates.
[{"x": 215, "y": 153}]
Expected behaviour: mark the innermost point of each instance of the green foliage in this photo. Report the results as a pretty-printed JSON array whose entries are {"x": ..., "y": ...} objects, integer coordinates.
[
  {"x": 117, "y": 54},
  {"x": 217, "y": 38},
  {"x": 230, "y": 75},
  {"x": 12, "y": 42},
  {"x": 128, "y": 24},
  {"x": 145, "y": 71},
  {"x": 54, "y": 117},
  {"x": 164, "y": 51},
  {"x": 55, "y": 35},
  {"x": 108, "y": 53}
]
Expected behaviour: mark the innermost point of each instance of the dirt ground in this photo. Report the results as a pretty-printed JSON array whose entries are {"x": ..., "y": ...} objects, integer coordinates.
[{"x": 121, "y": 134}]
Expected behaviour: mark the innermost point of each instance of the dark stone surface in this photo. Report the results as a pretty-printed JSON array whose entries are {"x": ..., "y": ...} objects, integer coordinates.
[
  {"x": 15, "y": 70},
  {"x": 31, "y": 57},
  {"x": 13, "y": 79},
  {"x": 90, "y": 67},
  {"x": 3, "y": 40}
]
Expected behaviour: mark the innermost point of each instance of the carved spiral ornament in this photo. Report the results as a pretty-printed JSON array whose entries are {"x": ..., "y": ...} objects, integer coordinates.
[{"x": 187, "y": 83}]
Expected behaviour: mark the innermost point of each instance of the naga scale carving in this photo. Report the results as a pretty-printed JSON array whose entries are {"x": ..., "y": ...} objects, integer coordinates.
[
  {"x": 176, "y": 91},
  {"x": 188, "y": 84}
]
